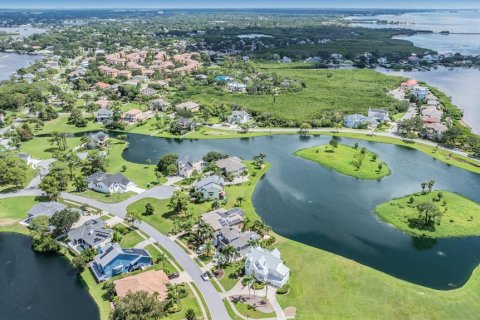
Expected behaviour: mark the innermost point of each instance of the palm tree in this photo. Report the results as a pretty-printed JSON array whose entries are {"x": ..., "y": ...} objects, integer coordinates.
[
  {"x": 240, "y": 199},
  {"x": 423, "y": 185},
  {"x": 204, "y": 232},
  {"x": 260, "y": 227},
  {"x": 254, "y": 242},
  {"x": 161, "y": 259},
  {"x": 173, "y": 295},
  {"x": 246, "y": 222},
  {"x": 229, "y": 251},
  {"x": 209, "y": 248},
  {"x": 248, "y": 280},
  {"x": 266, "y": 283},
  {"x": 430, "y": 185}
]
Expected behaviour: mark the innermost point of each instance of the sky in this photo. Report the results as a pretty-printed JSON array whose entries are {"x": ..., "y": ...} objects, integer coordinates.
[{"x": 165, "y": 4}]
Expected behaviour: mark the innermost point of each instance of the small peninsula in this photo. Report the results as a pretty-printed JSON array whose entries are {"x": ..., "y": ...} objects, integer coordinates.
[{"x": 351, "y": 161}]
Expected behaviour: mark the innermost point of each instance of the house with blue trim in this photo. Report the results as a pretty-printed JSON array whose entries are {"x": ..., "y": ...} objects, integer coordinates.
[
  {"x": 112, "y": 260},
  {"x": 226, "y": 79}
]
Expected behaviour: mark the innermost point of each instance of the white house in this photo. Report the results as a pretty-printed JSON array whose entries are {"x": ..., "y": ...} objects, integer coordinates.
[
  {"x": 187, "y": 168},
  {"x": 355, "y": 121},
  {"x": 211, "y": 187},
  {"x": 266, "y": 265},
  {"x": 379, "y": 115},
  {"x": 236, "y": 87},
  {"x": 238, "y": 117},
  {"x": 159, "y": 104},
  {"x": 109, "y": 183}
]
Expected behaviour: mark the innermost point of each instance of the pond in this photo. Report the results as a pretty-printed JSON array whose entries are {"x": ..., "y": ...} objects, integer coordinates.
[
  {"x": 39, "y": 286},
  {"x": 306, "y": 202}
]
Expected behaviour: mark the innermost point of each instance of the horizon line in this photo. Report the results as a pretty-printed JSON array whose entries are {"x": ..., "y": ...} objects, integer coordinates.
[{"x": 232, "y": 8}]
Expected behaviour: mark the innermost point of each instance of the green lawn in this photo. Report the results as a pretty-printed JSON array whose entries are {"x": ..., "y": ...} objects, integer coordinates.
[
  {"x": 40, "y": 148},
  {"x": 230, "y": 310},
  {"x": 461, "y": 216},
  {"x": 60, "y": 124},
  {"x": 227, "y": 281},
  {"x": 166, "y": 265},
  {"x": 142, "y": 174},
  {"x": 188, "y": 303},
  {"x": 13, "y": 210},
  {"x": 347, "y": 160},
  {"x": 112, "y": 198},
  {"x": 340, "y": 288},
  {"x": 162, "y": 219},
  {"x": 209, "y": 133},
  {"x": 347, "y": 91},
  {"x": 131, "y": 239}
]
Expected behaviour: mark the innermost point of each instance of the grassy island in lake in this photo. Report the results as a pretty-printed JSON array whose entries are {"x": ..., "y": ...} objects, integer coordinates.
[
  {"x": 458, "y": 216},
  {"x": 352, "y": 161}
]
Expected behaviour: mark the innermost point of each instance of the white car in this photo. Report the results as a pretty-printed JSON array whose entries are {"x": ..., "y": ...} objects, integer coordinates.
[{"x": 205, "y": 276}]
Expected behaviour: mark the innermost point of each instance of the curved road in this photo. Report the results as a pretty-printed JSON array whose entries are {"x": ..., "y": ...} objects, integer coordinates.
[{"x": 212, "y": 297}]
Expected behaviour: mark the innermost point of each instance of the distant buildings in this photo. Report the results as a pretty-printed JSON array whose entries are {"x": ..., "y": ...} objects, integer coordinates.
[
  {"x": 236, "y": 87},
  {"x": 188, "y": 106}
]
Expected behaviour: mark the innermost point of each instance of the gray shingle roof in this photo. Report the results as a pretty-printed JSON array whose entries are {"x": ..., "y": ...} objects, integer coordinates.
[
  {"x": 92, "y": 232},
  {"x": 46, "y": 209},
  {"x": 108, "y": 179}
]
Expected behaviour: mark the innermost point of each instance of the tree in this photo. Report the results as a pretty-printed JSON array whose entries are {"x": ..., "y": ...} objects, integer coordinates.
[
  {"x": 80, "y": 261},
  {"x": 215, "y": 205},
  {"x": 166, "y": 161},
  {"x": 244, "y": 127},
  {"x": 209, "y": 248},
  {"x": 304, "y": 128},
  {"x": 240, "y": 199},
  {"x": 423, "y": 185},
  {"x": 259, "y": 160},
  {"x": 171, "y": 170},
  {"x": 42, "y": 240},
  {"x": 149, "y": 210},
  {"x": 24, "y": 132},
  {"x": 139, "y": 306},
  {"x": 430, "y": 185},
  {"x": 63, "y": 220},
  {"x": 190, "y": 315},
  {"x": 334, "y": 144},
  {"x": 95, "y": 162},
  {"x": 430, "y": 213},
  {"x": 72, "y": 161},
  {"x": 260, "y": 227},
  {"x": 49, "y": 185},
  {"x": 60, "y": 139},
  {"x": 158, "y": 175},
  {"x": 229, "y": 252},
  {"x": 213, "y": 156},
  {"x": 124, "y": 168},
  {"x": 76, "y": 118},
  {"x": 132, "y": 217},
  {"x": 204, "y": 232},
  {"x": 179, "y": 202},
  {"x": 80, "y": 184}
]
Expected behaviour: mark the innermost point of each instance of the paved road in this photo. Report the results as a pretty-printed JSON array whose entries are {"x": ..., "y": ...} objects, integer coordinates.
[{"x": 211, "y": 296}]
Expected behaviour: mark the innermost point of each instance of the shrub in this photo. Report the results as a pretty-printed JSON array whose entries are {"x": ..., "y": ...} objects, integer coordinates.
[{"x": 284, "y": 290}]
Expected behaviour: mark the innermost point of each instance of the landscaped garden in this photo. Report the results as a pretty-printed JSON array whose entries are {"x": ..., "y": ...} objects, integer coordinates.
[
  {"x": 435, "y": 214},
  {"x": 352, "y": 161}
]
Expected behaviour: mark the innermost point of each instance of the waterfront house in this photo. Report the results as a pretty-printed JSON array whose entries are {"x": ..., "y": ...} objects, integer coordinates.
[
  {"x": 93, "y": 233},
  {"x": 112, "y": 260},
  {"x": 44, "y": 209},
  {"x": 187, "y": 168},
  {"x": 238, "y": 117},
  {"x": 266, "y": 265},
  {"x": 152, "y": 282},
  {"x": 183, "y": 125},
  {"x": 97, "y": 140},
  {"x": 222, "y": 218},
  {"x": 420, "y": 92},
  {"x": 355, "y": 121},
  {"x": 109, "y": 183},
  {"x": 188, "y": 106},
  {"x": 378, "y": 115},
  {"x": 231, "y": 165},
  {"x": 434, "y": 131},
  {"x": 211, "y": 187}
]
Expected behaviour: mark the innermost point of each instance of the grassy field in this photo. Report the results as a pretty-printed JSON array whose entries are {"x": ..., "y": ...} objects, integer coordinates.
[
  {"x": 162, "y": 219},
  {"x": 332, "y": 287},
  {"x": 166, "y": 265},
  {"x": 112, "y": 198},
  {"x": 60, "y": 124},
  {"x": 227, "y": 281},
  {"x": 40, "y": 148},
  {"x": 461, "y": 216},
  {"x": 131, "y": 239},
  {"x": 348, "y": 91},
  {"x": 14, "y": 210},
  {"x": 344, "y": 160}
]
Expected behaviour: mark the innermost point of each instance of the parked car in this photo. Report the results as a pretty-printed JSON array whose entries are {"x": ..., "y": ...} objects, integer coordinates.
[{"x": 205, "y": 276}]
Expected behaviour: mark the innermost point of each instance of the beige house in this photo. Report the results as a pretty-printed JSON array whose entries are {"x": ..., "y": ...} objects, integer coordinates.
[{"x": 188, "y": 106}]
